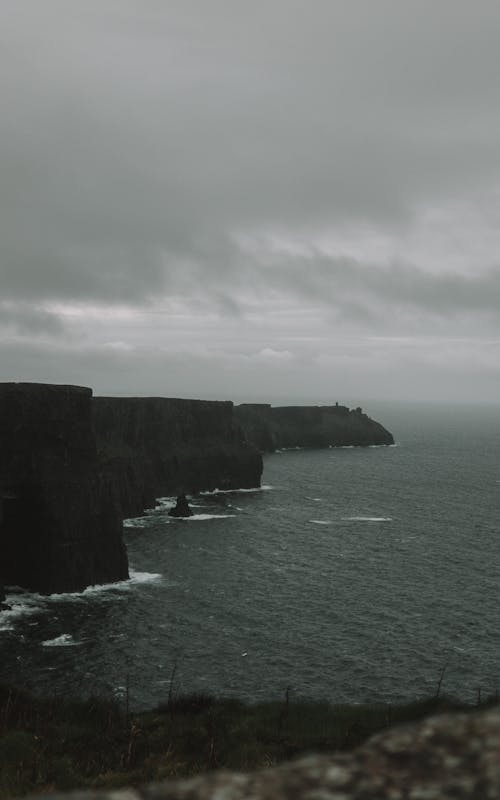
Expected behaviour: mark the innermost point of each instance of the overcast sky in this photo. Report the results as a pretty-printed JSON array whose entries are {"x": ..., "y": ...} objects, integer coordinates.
[{"x": 251, "y": 199}]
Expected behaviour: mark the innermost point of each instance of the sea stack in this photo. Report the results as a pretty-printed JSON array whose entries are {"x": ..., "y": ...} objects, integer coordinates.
[{"x": 181, "y": 508}]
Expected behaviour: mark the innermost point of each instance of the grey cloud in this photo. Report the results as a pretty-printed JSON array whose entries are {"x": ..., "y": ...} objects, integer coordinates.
[
  {"x": 129, "y": 131},
  {"x": 336, "y": 280},
  {"x": 354, "y": 372},
  {"x": 30, "y": 321},
  {"x": 138, "y": 140}
]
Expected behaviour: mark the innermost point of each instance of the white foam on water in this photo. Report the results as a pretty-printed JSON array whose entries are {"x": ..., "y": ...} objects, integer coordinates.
[
  {"x": 37, "y": 602},
  {"x": 30, "y": 604},
  {"x": 264, "y": 488},
  {"x": 199, "y": 517},
  {"x": 143, "y": 577},
  {"x": 321, "y": 521},
  {"x": 64, "y": 640},
  {"x": 367, "y": 519},
  {"x": 140, "y": 522},
  {"x": 135, "y": 578}
]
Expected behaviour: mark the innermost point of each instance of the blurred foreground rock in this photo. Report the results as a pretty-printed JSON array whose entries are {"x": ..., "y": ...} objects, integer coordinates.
[{"x": 452, "y": 756}]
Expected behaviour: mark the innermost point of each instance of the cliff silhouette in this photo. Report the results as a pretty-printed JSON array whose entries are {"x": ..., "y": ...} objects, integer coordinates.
[{"x": 72, "y": 467}]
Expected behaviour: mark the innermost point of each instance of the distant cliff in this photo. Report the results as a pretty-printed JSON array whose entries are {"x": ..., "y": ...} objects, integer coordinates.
[
  {"x": 272, "y": 428},
  {"x": 156, "y": 446},
  {"x": 60, "y": 527}
]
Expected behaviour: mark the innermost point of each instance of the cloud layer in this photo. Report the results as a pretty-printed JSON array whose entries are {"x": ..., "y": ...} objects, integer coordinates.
[{"x": 250, "y": 199}]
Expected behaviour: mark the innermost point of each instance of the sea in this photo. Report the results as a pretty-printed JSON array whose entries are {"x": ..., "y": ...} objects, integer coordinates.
[{"x": 352, "y": 575}]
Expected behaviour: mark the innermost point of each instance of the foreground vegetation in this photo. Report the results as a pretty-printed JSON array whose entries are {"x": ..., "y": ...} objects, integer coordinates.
[{"x": 51, "y": 744}]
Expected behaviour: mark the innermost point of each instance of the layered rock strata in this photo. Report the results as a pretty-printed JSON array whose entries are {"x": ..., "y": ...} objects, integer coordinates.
[
  {"x": 155, "y": 446},
  {"x": 61, "y": 526},
  {"x": 273, "y": 427}
]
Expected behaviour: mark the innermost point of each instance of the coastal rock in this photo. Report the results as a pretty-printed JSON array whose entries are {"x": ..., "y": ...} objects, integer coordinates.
[
  {"x": 181, "y": 508},
  {"x": 272, "y": 428},
  {"x": 156, "y": 446},
  {"x": 441, "y": 758},
  {"x": 60, "y": 527}
]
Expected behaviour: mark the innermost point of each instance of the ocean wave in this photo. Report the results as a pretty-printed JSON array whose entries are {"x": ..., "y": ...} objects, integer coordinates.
[
  {"x": 264, "y": 488},
  {"x": 201, "y": 517},
  {"x": 135, "y": 578},
  {"x": 64, "y": 640},
  {"x": 17, "y": 609},
  {"x": 143, "y": 577},
  {"x": 367, "y": 519},
  {"x": 35, "y": 603},
  {"x": 141, "y": 522},
  {"x": 286, "y": 449},
  {"x": 162, "y": 503}
]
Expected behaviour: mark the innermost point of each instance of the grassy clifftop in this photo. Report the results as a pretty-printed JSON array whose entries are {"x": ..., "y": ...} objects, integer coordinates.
[{"x": 47, "y": 744}]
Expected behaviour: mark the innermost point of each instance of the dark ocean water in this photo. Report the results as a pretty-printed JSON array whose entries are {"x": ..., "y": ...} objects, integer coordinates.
[{"x": 356, "y": 574}]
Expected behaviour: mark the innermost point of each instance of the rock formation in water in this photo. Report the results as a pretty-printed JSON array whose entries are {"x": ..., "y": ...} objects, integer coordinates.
[
  {"x": 157, "y": 446},
  {"x": 181, "y": 508},
  {"x": 60, "y": 527},
  {"x": 272, "y": 428}
]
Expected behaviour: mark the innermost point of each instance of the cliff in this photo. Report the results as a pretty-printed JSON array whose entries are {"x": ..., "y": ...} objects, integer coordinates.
[
  {"x": 272, "y": 428},
  {"x": 73, "y": 466},
  {"x": 155, "y": 446},
  {"x": 60, "y": 527}
]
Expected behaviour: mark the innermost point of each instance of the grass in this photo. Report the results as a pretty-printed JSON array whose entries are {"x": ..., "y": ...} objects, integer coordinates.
[{"x": 47, "y": 744}]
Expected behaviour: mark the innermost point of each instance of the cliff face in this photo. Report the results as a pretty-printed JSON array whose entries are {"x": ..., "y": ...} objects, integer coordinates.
[
  {"x": 271, "y": 428},
  {"x": 71, "y": 467},
  {"x": 156, "y": 446},
  {"x": 60, "y": 528}
]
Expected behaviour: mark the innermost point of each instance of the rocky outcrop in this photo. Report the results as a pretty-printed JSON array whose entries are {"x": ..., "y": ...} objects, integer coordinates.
[
  {"x": 272, "y": 428},
  {"x": 61, "y": 527},
  {"x": 156, "y": 446},
  {"x": 181, "y": 508},
  {"x": 441, "y": 758}
]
